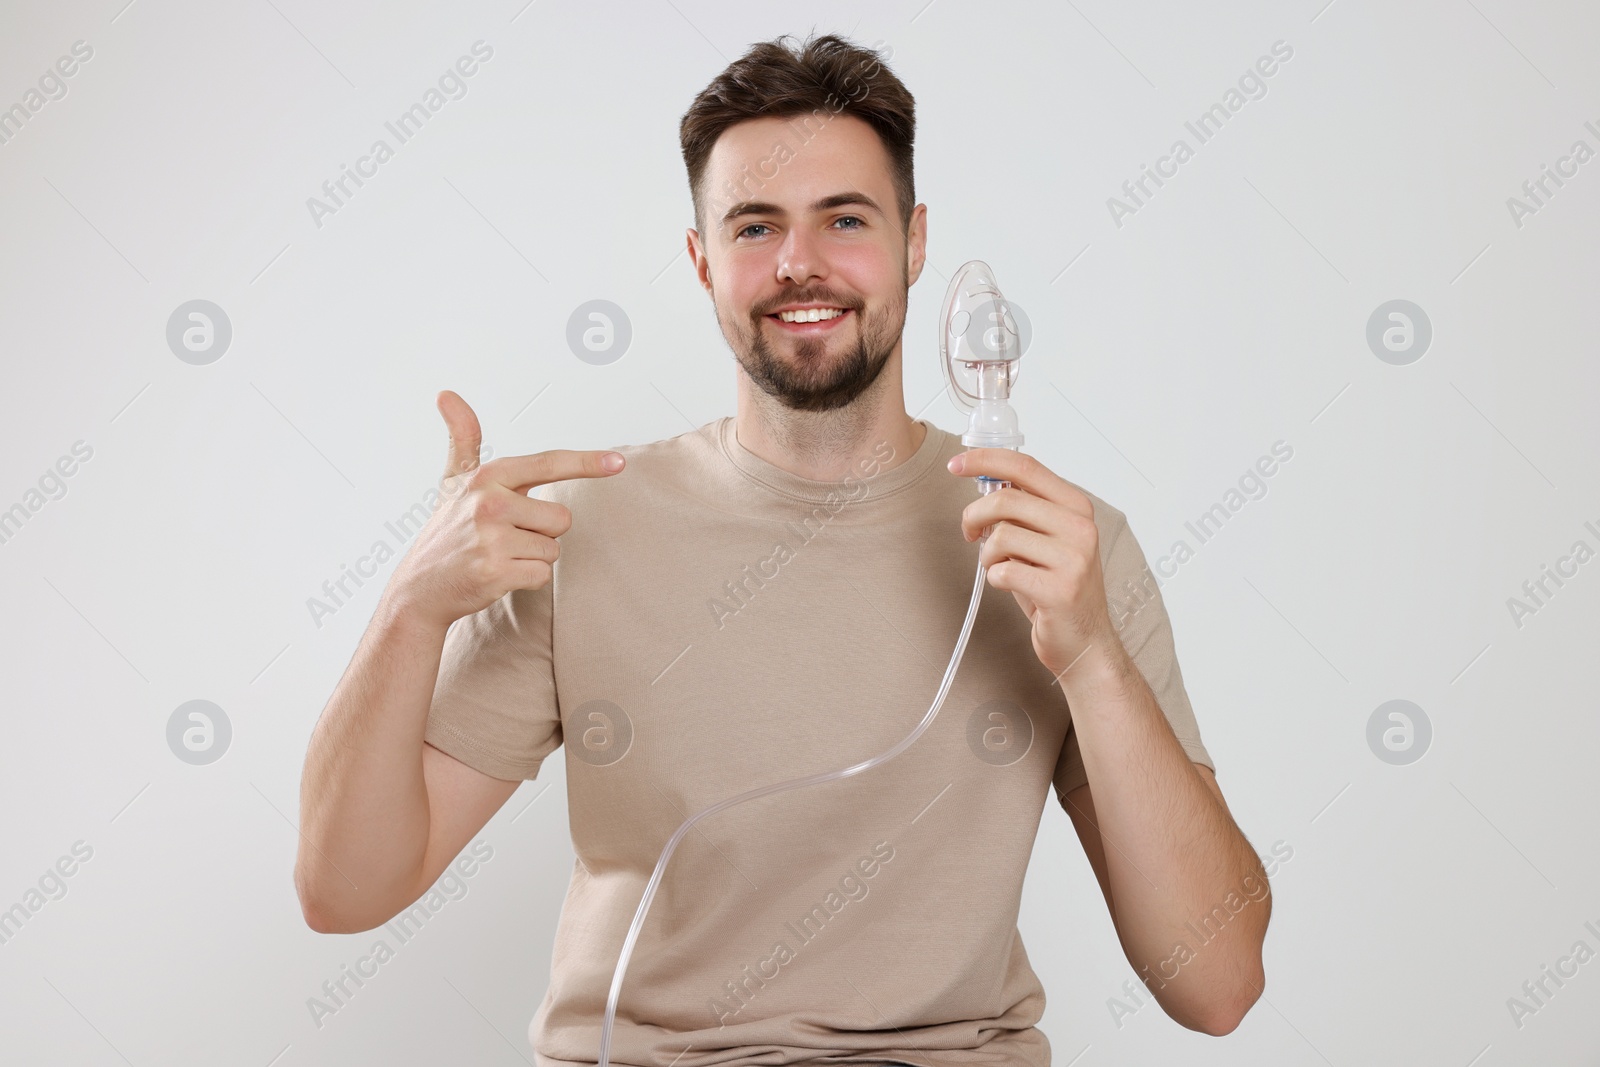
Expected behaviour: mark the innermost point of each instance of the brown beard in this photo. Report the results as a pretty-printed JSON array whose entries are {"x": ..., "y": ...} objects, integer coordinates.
[{"x": 805, "y": 384}]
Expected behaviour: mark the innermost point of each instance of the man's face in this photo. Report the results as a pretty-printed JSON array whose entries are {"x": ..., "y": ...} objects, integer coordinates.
[{"x": 801, "y": 213}]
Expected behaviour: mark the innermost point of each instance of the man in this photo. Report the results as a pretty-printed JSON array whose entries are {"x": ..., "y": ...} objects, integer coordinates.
[{"x": 774, "y": 595}]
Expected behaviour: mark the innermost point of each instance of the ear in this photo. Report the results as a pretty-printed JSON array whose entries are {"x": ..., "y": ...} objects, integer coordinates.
[
  {"x": 697, "y": 256},
  {"x": 917, "y": 243}
]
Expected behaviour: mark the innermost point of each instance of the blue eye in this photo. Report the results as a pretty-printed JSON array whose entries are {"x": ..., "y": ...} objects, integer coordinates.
[{"x": 860, "y": 224}]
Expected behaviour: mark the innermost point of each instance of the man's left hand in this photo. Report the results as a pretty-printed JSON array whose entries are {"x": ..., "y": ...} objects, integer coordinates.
[{"x": 1043, "y": 548}]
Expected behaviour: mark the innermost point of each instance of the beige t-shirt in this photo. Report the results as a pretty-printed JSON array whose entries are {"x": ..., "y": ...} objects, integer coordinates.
[{"x": 716, "y": 623}]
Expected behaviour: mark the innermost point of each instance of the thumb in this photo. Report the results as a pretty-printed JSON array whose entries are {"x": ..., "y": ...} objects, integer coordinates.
[{"x": 466, "y": 436}]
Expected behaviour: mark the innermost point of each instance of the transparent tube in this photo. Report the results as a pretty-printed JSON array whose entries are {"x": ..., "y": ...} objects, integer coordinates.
[{"x": 985, "y": 486}]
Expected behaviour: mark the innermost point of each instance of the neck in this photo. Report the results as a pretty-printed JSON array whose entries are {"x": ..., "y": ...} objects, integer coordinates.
[{"x": 828, "y": 445}]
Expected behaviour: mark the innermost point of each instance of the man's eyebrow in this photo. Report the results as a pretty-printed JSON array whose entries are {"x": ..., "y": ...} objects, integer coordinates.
[{"x": 761, "y": 207}]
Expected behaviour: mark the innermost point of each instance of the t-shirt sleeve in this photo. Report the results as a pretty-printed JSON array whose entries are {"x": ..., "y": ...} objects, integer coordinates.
[
  {"x": 1140, "y": 617},
  {"x": 494, "y": 704}
]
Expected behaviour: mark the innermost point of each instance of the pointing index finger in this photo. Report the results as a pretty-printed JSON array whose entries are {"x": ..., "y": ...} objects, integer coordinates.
[{"x": 522, "y": 473}]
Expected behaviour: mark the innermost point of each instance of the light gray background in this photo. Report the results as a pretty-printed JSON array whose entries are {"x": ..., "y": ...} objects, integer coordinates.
[{"x": 1168, "y": 354}]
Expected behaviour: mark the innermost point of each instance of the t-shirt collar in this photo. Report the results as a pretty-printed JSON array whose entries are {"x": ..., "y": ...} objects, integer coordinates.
[{"x": 869, "y": 472}]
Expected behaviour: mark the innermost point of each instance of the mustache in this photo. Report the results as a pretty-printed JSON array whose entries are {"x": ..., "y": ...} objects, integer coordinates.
[{"x": 805, "y": 298}]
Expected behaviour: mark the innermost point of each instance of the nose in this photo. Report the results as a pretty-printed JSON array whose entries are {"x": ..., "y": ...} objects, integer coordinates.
[{"x": 800, "y": 257}]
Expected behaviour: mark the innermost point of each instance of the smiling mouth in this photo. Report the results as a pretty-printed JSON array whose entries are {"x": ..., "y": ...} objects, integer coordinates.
[{"x": 810, "y": 327}]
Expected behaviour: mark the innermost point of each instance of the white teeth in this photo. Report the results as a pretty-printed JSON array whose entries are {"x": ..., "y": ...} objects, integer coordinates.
[{"x": 810, "y": 315}]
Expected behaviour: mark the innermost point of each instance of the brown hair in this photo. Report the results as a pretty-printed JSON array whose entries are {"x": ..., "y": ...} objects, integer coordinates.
[{"x": 826, "y": 76}]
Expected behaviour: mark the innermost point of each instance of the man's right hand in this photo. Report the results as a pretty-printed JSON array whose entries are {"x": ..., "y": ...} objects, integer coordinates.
[{"x": 487, "y": 536}]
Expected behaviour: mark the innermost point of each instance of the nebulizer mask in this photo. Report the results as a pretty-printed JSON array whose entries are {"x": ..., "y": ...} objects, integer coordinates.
[{"x": 979, "y": 350}]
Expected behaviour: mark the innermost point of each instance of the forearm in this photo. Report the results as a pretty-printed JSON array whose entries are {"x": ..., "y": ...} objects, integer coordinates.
[
  {"x": 1189, "y": 894},
  {"x": 363, "y": 801}
]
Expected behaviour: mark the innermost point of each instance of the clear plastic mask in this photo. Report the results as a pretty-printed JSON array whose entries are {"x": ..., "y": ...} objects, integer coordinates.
[{"x": 980, "y": 348}]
